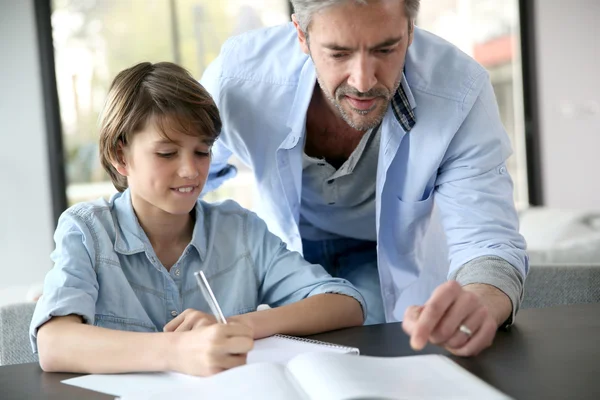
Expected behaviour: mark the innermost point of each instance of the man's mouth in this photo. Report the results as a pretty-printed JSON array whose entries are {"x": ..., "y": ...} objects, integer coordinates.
[{"x": 362, "y": 104}]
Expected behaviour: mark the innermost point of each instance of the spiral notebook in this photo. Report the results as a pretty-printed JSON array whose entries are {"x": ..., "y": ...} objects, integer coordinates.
[
  {"x": 275, "y": 350},
  {"x": 282, "y": 348}
]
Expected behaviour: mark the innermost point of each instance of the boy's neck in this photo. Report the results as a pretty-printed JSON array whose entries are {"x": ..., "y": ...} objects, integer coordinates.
[{"x": 167, "y": 231}]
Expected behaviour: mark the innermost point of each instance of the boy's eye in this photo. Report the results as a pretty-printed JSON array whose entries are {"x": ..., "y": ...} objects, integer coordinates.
[
  {"x": 166, "y": 155},
  {"x": 203, "y": 153}
]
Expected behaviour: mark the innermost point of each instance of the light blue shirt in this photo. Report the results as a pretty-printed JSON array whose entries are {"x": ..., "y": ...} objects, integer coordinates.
[
  {"x": 106, "y": 271},
  {"x": 443, "y": 193}
]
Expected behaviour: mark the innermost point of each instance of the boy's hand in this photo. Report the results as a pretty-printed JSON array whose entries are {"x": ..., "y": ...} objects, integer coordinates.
[
  {"x": 188, "y": 320},
  {"x": 211, "y": 349}
]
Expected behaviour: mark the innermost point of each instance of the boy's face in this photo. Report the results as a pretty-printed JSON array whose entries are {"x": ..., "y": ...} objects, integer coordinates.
[{"x": 165, "y": 176}]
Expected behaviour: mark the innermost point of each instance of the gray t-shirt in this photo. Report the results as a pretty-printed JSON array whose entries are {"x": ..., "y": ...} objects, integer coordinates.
[{"x": 341, "y": 203}]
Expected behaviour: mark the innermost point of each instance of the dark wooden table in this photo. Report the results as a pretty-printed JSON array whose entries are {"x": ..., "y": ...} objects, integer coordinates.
[{"x": 551, "y": 353}]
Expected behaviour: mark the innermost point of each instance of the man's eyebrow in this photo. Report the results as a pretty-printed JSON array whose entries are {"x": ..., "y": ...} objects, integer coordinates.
[{"x": 385, "y": 43}]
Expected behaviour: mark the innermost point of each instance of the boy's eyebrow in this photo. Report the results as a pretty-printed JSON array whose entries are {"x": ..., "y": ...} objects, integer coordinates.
[
  {"x": 385, "y": 43},
  {"x": 206, "y": 141}
]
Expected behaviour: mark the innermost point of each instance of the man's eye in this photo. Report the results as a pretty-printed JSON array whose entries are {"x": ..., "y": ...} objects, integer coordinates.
[
  {"x": 338, "y": 56},
  {"x": 165, "y": 155},
  {"x": 385, "y": 51}
]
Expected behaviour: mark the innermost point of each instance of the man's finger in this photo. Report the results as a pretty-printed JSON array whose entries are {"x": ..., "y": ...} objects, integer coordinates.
[
  {"x": 411, "y": 315},
  {"x": 465, "y": 304},
  {"x": 434, "y": 310},
  {"x": 473, "y": 322},
  {"x": 479, "y": 341}
]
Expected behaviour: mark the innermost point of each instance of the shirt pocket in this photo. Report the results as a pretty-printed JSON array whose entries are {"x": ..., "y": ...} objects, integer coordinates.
[
  {"x": 123, "y": 324},
  {"x": 410, "y": 222}
]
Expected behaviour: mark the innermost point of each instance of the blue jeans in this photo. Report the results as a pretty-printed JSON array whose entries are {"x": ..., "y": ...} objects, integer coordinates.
[{"x": 354, "y": 260}]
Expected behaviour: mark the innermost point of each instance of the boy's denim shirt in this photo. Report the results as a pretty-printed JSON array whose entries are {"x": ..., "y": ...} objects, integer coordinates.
[{"x": 106, "y": 271}]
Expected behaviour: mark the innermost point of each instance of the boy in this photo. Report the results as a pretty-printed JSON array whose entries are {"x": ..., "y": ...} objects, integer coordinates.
[{"x": 124, "y": 268}]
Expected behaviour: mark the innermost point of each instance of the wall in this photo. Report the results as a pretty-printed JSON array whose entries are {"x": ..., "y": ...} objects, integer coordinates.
[
  {"x": 26, "y": 225},
  {"x": 568, "y": 61}
]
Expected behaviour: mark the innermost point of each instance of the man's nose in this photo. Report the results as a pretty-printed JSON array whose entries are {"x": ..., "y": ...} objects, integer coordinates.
[{"x": 362, "y": 74}]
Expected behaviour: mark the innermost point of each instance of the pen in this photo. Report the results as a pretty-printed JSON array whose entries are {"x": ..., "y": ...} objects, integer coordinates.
[{"x": 209, "y": 297}]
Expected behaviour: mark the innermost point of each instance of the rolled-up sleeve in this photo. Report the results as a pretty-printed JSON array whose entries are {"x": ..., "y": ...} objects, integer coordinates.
[
  {"x": 71, "y": 287},
  {"x": 474, "y": 190},
  {"x": 285, "y": 276}
]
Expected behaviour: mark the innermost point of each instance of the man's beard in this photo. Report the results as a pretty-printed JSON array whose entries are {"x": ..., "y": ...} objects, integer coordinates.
[{"x": 345, "y": 89}]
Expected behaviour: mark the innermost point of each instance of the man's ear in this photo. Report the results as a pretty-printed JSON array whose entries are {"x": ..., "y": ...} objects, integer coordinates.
[
  {"x": 120, "y": 164},
  {"x": 301, "y": 36}
]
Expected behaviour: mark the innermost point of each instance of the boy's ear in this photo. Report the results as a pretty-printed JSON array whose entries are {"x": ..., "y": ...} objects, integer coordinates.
[
  {"x": 301, "y": 36},
  {"x": 120, "y": 164}
]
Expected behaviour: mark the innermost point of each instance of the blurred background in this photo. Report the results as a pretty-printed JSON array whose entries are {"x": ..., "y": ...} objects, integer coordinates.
[{"x": 59, "y": 57}]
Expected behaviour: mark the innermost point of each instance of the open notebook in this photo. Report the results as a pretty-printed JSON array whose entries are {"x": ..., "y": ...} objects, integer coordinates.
[
  {"x": 331, "y": 376},
  {"x": 277, "y": 349}
]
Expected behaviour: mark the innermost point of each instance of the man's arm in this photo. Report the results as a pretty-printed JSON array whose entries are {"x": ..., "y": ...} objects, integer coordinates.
[
  {"x": 474, "y": 194},
  {"x": 220, "y": 170}
]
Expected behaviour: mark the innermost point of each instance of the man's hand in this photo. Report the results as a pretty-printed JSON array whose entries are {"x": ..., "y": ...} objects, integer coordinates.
[
  {"x": 188, "y": 320},
  {"x": 480, "y": 308}
]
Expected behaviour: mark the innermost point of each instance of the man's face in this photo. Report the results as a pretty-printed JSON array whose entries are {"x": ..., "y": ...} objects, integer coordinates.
[{"x": 359, "y": 53}]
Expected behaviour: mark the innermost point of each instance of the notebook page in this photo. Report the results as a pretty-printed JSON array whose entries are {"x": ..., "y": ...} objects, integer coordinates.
[
  {"x": 281, "y": 349},
  {"x": 274, "y": 349},
  {"x": 256, "y": 381},
  {"x": 329, "y": 376}
]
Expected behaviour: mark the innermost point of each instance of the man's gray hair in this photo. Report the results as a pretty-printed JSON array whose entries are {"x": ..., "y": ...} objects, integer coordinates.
[{"x": 306, "y": 9}]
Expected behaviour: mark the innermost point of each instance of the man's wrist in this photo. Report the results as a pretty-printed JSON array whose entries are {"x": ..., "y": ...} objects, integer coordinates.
[{"x": 495, "y": 300}]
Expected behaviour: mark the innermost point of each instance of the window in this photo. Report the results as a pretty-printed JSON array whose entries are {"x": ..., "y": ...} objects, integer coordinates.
[
  {"x": 95, "y": 39},
  {"x": 488, "y": 30}
]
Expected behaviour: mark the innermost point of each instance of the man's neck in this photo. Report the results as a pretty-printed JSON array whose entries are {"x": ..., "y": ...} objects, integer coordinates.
[{"x": 327, "y": 134}]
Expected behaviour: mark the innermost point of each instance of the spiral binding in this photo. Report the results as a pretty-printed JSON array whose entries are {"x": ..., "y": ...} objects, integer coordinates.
[{"x": 351, "y": 350}]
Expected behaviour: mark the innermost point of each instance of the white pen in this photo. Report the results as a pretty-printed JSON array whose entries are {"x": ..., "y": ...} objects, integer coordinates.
[{"x": 210, "y": 297}]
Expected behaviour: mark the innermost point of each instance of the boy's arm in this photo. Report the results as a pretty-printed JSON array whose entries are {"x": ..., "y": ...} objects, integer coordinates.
[
  {"x": 304, "y": 298},
  {"x": 318, "y": 313},
  {"x": 65, "y": 343},
  {"x": 68, "y": 345}
]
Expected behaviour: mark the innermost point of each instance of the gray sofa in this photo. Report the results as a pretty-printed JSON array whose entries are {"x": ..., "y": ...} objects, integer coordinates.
[
  {"x": 14, "y": 334},
  {"x": 558, "y": 284}
]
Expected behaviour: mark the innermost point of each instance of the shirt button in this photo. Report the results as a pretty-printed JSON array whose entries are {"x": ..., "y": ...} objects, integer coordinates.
[
  {"x": 502, "y": 170},
  {"x": 177, "y": 272},
  {"x": 174, "y": 313}
]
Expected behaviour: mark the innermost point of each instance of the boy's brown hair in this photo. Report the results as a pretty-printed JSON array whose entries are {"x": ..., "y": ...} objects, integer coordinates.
[{"x": 163, "y": 92}]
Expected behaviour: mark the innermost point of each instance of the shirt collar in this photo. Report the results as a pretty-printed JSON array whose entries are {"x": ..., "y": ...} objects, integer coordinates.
[
  {"x": 403, "y": 103},
  {"x": 131, "y": 238}
]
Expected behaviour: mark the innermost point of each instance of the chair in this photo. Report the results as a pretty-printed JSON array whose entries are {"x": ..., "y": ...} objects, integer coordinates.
[
  {"x": 561, "y": 284},
  {"x": 15, "y": 347}
]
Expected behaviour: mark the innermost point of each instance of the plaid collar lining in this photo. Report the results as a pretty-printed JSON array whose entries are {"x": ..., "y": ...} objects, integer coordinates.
[{"x": 402, "y": 109}]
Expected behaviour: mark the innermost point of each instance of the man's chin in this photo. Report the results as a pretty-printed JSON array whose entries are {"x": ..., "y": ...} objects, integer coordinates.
[{"x": 363, "y": 124}]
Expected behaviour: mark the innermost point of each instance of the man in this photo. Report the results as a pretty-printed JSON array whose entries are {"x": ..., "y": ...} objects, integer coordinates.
[{"x": 354, "y": 123}]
